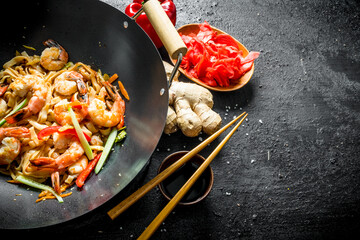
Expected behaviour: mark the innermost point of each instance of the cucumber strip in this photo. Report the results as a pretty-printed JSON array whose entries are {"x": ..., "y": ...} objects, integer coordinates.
[
  {"x": 108, "y": 145},
  {"x": 34, "y": 184},
  {"x": 81, "y": 136},
  {"x": 17, "y": 108}
]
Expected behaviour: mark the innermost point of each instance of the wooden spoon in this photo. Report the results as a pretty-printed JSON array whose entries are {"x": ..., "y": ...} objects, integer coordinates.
[{"x": 194, "y": 28}]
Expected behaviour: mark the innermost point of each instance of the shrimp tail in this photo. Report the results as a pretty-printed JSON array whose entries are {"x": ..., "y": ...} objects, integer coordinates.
[
  {"x": 111, "y": 90},
  {"x": 52, "y": 43},
  {"x": 81, "y": 86},
  {"x": 3, "y": 89},
  {"x": 83, "y": 97},
  {"x": 18, "y": 132},
  {"x": 115, "y": 96},
  {"x": 44, "y": 162},
  {"x": 16, "y": 117},
  {"x": 55, "y": 181}
]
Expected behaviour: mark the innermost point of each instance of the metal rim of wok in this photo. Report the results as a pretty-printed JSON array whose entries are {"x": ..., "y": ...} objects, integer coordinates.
[{"x": 105, "y": 38}]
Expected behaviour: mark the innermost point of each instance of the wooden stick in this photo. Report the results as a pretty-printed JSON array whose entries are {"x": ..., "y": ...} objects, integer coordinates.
[
  {"x": 126, "y": 203},
  {"x": 181, "y": 193}
]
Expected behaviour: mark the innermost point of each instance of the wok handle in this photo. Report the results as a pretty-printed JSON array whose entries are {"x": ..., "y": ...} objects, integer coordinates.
[{"x": 164, "y": 28}]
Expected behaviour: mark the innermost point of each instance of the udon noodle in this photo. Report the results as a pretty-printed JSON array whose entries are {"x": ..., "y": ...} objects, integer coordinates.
[{"x": 38, "y": 141}]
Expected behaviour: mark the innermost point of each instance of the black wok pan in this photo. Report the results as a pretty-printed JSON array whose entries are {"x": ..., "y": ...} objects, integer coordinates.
[{"x": 97, "y": 34}]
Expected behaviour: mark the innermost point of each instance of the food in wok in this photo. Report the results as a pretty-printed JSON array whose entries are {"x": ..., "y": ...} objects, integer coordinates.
[{"x": 57, "y": 120}]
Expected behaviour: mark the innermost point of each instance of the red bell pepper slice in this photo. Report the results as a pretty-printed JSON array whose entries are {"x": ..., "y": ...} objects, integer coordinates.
[
  {"x": 80, "y": 181},
  {"x": 58, "y": 129},
  {"x": 143, "y": 21},
  {"x": 48, "y": 131},
  {"x": 72, "y": 131}
]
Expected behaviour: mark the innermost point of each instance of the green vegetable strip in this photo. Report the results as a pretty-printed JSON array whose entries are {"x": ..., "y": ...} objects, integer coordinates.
[
  {"x": 108, "y": 145},
  {"x": 81, "y": 136},
  {"x": 18, "y": 107},
  {"x": 121, "y": 136},
  {"x": 32, "y": 183}
]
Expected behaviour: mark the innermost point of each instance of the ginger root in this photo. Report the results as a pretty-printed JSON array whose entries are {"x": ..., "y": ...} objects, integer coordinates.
[{"x": 191, "y": 111}]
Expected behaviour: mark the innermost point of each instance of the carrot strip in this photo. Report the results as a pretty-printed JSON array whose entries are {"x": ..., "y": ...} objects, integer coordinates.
[
  {"x": 13, "y": 181},
  {"x": 113, "y": 78},
  {"x": 52, "y": 197},
  {"x": 66, "y": 194},
  {"x": 123, "y": 91}
]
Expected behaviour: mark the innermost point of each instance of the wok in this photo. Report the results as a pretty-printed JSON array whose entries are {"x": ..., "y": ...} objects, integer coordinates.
[{"x": 97, "y": 34}]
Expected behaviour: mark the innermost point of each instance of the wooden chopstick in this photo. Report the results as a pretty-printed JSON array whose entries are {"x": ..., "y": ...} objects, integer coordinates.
[
  {"x": 186, "y": 187},
  {"x": 126, "y": 203}
]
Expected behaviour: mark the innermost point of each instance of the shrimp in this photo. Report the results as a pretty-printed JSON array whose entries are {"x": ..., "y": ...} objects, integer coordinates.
[
  {"x": 62, "y": 115},
  {"x": 10, "y": 143},
  {"x": 36, "y": 102},
  {"x": 61, "y": 141},
  {"x": 72, "y": 158},
  {"x": 103, "y": 117},
  {"x": 78, "y": 166},
  {"x": 69, "y": 157},
  {"x": 44, "y": 172},
  {"x": 23, "y": 84},
  {"x": 64, "y": 85},
  {"x": 59, "y": 164},
  {"x": 69, "y": 83},
  {"x": 54, "y": 57}
]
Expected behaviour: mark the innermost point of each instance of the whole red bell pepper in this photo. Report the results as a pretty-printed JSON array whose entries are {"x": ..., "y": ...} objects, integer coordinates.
[{"x": 143, "y": 21}]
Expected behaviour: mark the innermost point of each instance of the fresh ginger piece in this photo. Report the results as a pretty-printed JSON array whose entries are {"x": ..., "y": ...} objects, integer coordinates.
[
  {"x": 211, "y": 121},
  {"x": 171, "y": 125},
  {"x": 192, "y": 104},
  {"x": 190, "y": 108},
  {"x": 187, "y": 120}
]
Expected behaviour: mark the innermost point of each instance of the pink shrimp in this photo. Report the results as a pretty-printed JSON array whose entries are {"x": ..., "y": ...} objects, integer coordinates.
[
  {"x": 69, "y": 83},
  {"x": 59, "y": 164},
  {"x": 69, "y": 157},
  {"x": 54, "y": 57},
  {"x": 36, "y": 103},
  {"x": 103, "y": 117},
  {"x": 78, "y": 166},
  {"x": 61, "y": 113},
  {"x": 10, "y": 143}
]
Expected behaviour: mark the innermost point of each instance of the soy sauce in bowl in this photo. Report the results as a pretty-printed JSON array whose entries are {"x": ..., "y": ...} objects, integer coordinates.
[{"x": 170, "y": 186}]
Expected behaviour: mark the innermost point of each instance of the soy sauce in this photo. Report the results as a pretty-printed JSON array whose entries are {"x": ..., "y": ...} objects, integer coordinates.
[{"x": 173, "y": 183}]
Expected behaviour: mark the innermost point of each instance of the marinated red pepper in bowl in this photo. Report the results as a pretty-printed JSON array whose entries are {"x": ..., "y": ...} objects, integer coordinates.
[
  {"x": 215, "y": 59},
  {"x": 143, "y": 21}
]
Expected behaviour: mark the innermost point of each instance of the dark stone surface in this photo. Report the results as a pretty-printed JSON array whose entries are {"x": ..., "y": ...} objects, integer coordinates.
[{"x": 292, "y": 170}]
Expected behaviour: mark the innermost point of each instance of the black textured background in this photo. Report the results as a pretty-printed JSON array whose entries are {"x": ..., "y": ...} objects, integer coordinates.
[{"x": 292, "y": 169}]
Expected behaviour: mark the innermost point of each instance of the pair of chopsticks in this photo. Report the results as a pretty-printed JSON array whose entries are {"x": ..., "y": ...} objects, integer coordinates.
[{"x": 125, "y": 204}]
